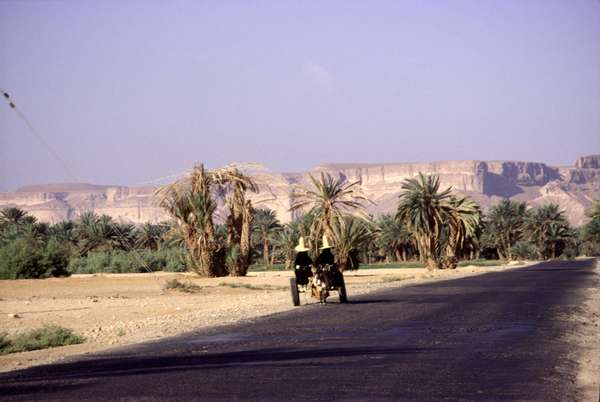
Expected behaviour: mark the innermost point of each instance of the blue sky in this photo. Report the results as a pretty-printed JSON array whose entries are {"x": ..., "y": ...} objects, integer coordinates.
[{"x": 128, "y": 91}]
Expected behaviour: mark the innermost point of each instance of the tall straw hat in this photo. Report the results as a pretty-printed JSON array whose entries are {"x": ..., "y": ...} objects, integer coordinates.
[
  {"x": 325, "y": 243},
  {"x": 300, "y": 247}
]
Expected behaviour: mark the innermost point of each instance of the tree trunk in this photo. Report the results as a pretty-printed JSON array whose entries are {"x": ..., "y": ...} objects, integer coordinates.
[
  {"x": 266, "y": 251},
  {"x": 245, "y": 242}
]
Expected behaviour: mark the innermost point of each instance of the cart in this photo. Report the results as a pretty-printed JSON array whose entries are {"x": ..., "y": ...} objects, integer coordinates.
[{"x": 318, "y": 282}]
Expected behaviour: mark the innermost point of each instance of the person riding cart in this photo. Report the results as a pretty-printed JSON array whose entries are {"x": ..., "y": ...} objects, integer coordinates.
[
  {"x": 302, "y": 264},
  {"x": 320, "y": 278},
  {"x": 326, "y": 275}
]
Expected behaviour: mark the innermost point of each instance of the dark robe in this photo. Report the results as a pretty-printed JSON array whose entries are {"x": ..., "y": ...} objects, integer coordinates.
[
  {"x": 333, "y": 276},
  {"x": 326, "y": 257},
  {"x": 302, "y": 259},
  {"x": 302, "y": 269}
]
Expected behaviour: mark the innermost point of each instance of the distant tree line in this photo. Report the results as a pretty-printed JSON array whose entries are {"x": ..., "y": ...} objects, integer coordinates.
[{"x": 430, "y": 225}]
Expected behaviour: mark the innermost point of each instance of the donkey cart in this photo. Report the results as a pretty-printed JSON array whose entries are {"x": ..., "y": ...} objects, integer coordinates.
[{"x": 318, "y": 282}]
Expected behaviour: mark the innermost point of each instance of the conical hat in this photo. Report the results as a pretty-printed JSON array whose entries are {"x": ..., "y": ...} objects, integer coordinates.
[
  {"x": 325, "y": 243},
  {"x": 300, "y": 247}
]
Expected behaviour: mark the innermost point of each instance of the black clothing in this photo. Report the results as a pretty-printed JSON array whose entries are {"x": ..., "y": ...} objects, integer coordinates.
[
  {"x": 302, "y": 259},
  {"x": 326, "y": 257},
  {"x": 333, "y": 277},
  {"x": 302, "y": 269}
]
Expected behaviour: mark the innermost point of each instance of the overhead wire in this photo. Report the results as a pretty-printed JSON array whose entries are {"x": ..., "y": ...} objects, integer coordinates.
[
  {"x": 64, "y": 165},
  {"x": 38, "y": 136}
]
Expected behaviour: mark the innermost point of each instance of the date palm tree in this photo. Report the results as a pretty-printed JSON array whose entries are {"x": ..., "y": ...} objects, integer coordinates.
[
  {"x": 86, "y": 233},
  {"x": 151, "y": 235},
  {"x": 232, "y": 183},
  {"x": 423, "y": 208},
  {"x": 393, "y": 237},
  {"x": 548, "y": 227},
  {"x": 349, "y": 234},
  {"x": 328, "y": 198},
  {"x": 506, "y": 225},
  {"x": 594, "y": 211},
  {"x": 63, "y": 232},
  {"x": 463, "y": 217},
  {"x": 286, "y": 239},
  {"x": 13, "y": 215},
  {"x": 190, "y": 203},
  {"x": 265, "y": 226},
  {"x": 92, "y": 232}
]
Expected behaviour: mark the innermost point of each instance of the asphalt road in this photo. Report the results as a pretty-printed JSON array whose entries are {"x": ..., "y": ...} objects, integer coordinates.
[{"x": 490, "y": 337}]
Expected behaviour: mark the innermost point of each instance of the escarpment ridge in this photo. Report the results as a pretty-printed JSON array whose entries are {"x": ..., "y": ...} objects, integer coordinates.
[{"x": 572, "y": 187}]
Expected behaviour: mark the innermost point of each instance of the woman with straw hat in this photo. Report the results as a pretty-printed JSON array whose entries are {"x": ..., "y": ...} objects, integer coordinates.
[
  {"x": 302, "y": 263},
  {"x": 326, "y": 257}
]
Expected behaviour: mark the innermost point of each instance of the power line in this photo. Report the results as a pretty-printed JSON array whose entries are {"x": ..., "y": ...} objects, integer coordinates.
[{"x": 39, "y": 137}]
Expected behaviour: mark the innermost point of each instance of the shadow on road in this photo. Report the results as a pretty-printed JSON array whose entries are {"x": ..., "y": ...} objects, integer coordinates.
[{"x": 79, "y": 373}]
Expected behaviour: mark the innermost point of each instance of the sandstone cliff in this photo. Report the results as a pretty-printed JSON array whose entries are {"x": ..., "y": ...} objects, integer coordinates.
[{"x": 573, "y": 188}]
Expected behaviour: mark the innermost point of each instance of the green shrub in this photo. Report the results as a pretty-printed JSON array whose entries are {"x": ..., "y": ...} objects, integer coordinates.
[
  {"x": 186, "y": 287},
  {"x": 175, "y": 260},
  {"x": 481, "y": 263},
  {"x": 524, "y": 250},
  {"x": 569, "y": 253},
  {"x": 135, "y": 261},
  {"x": 24, "y": 258},
  {"x": 49, "y": 336},
  {"x": 4, "y": 341}
]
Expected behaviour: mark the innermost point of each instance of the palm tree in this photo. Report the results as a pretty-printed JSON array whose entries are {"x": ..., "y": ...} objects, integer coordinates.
[
  {"x": 265, "y": 225},
  {"x": 594, "y": 211},
  {"x": 123, "y": 236},
  {"x": 63, "y": 231},
  {"x": 86, "y": 233},
  {"x": 590, "y": 235},
  {"x": 423, "y": 209},
  {"x": 286, "y": 239},
  {"x": 505, "y": 224},
  {"x": 548, "y": 227},
  {"x": 190, "y": 203},
  {"x": 151, "y": 235},
  {"x": 12, "y": 215},
  {"x": 393, "y": 237},
  {"x": 349, "y": 234},
  {"x": 92, "y": 232},
  {"x": 463, "y": 217},
  {"x": 234, "y": 184},
  {"x": 327, "y": 199}
]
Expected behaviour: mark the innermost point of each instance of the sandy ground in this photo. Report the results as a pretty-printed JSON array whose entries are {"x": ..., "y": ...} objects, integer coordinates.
[
  {"x": 584, "y": 337},
  {"x": 120, "y": 309}
]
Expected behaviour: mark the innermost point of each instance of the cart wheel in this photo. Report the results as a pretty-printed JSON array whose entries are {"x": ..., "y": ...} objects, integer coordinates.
[
  {"x": 342, "y": 290},
  {"x": 295, "y": 293}
]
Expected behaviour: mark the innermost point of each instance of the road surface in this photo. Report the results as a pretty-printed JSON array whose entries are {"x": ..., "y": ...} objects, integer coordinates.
[{"x": 497, "y": 336}]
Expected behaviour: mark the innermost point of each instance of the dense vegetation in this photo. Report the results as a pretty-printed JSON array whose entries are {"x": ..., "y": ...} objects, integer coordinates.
[
  {"x": 431, "y": 227},
  {"x": 89, "y": 244}
]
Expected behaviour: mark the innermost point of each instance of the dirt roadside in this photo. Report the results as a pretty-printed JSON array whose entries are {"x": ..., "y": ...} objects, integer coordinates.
[
  {"x": 116, "y": 310},
  {"x": 584, "y": 338}
]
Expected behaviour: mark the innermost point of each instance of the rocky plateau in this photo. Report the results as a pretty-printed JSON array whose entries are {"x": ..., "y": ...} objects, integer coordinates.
[{"x": 572, "y": 187}]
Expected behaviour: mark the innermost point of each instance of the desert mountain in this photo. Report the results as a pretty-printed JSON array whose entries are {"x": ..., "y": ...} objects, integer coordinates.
[{"x": 572, "y": 187}]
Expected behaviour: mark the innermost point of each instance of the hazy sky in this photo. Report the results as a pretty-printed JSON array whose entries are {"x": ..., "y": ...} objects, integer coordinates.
[{"x": 129, "y": 91}]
